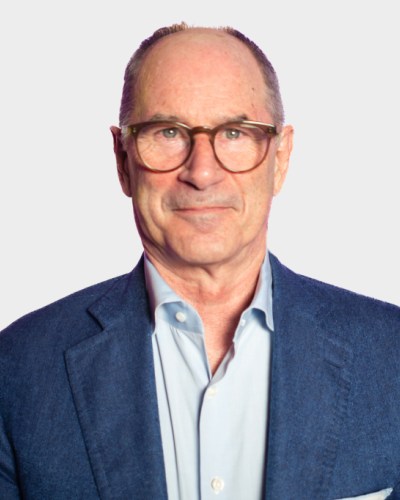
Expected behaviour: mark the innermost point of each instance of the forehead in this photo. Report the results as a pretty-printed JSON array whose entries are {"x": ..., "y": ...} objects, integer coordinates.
[
  {"x": 199, "y": 67},
  {"x": 204, "y": 42}
]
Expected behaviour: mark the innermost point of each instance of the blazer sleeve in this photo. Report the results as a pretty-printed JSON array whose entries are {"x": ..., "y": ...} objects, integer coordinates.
[{"x": 9, "y": 489}]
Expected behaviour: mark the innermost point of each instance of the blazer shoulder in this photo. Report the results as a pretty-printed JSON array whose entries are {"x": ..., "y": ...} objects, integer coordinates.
[
  {"x": 73, "y": 302},
  {"x": 317, "y": 294},
  {"x": 66, "y": 321}
]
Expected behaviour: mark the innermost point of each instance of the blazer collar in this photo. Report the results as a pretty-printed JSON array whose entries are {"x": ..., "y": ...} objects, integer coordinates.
[
  {"x": 310, "y": 381},
  {"x": 112, "y": 380}
]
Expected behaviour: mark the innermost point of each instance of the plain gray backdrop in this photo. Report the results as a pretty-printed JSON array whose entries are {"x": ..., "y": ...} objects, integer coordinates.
[{"x": 65, "y": 224}]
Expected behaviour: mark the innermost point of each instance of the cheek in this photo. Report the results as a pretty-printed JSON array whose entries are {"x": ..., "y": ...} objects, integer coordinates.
[
  {"x": 258, "y": 196},
  {"x": 148, "y": 191},
  {"x": 148, "y": 217}
]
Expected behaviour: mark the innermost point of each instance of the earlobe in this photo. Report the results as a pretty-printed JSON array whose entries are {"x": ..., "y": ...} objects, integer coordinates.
[
  {"x": 122, "y": 161},
  {"x": 282, "y": 157}
]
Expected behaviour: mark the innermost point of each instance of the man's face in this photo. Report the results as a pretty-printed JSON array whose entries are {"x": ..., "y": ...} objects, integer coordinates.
[{"x": 201, "y": 214}]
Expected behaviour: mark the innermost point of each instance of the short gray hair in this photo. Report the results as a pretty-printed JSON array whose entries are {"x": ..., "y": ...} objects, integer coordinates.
[{"x": 136, "y": 61}]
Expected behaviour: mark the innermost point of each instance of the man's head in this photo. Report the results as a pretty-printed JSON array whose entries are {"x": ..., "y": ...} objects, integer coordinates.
[{"x": 200, "y": 214}]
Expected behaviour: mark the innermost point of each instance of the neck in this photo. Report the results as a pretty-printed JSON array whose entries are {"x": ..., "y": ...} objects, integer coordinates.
[{"x": 219, "y": 293}]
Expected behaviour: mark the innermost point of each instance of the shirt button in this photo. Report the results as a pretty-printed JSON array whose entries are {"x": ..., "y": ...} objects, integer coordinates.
[
  {"x": 211, "y": 391},
  {"x": 242, "y": 322},
  {"x": 217, "y": 484},
  {"x": 180, "y": 316}
]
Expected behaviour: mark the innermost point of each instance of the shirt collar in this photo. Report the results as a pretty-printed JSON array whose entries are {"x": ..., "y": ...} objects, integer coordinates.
[
  {"x": 160, "y": 293},
  {"x": 262, "y": 299}
]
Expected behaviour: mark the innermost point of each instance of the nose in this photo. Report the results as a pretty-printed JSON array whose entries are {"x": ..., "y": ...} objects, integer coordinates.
[{"x": 202, "y": 169}]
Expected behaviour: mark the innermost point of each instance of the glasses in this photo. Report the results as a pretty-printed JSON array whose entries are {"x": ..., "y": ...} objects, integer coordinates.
[{"x": 239, "y": 146}]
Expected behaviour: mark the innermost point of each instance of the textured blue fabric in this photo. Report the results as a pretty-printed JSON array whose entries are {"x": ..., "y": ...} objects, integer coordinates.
[{"x": 79, "y": 412}]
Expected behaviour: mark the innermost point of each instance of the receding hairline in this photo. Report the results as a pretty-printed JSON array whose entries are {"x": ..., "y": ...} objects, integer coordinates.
[
  {"x": 208, "y": 39},
  {"x": 196, "y": 34},
  {"x": 194, "y": 30}
]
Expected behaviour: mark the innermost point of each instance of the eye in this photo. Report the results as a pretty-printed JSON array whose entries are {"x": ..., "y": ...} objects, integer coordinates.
[
  {"x": 170, "y": 132},
  {"x": 232, "y": 133}
]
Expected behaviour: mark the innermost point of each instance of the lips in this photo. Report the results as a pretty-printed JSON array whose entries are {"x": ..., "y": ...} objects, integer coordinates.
[
  {"x": 201, "y": 204},
  {"x": 200, "y": 209}
]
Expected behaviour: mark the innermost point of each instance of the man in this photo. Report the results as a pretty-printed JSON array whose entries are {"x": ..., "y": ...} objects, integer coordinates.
[{"x": 211, "y": 369}]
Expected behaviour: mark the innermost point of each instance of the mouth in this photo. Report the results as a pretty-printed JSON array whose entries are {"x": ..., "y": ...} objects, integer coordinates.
[
  {"x": 208, "y": 211},
  {"x": 201, "y": 209}
]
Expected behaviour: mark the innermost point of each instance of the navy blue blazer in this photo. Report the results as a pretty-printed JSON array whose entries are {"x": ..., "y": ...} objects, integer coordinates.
[{"x": 78, "y": 401}]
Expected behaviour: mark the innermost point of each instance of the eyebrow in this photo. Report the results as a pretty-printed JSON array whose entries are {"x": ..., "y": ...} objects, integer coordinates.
[
  {"x": 160, "y": 116},
  {"x": 175, "y": 118}
]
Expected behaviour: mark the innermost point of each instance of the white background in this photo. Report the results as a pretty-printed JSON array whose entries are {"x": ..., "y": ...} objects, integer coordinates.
[{"x": 64, "y": 224}]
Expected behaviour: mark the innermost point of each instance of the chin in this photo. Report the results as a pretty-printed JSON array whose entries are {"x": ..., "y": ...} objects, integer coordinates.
[{"x": 204, "y": 253}]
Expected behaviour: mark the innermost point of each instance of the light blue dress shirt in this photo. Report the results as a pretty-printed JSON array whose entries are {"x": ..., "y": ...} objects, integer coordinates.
[{"x": 213, "y": 428}]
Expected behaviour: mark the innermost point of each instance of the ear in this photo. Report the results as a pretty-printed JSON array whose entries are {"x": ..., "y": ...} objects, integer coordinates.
[
  {"x": 122, "y": 161},
  {"x": 282, "y": 156}
]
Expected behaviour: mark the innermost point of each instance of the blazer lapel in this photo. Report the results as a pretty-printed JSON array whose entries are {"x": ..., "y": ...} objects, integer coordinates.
[
  {"x": 112, "y": 380},
  {"x": 310, "y": 383}
]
